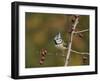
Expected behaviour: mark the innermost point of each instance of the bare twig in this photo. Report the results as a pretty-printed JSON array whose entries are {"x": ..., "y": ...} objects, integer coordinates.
[
  {"x": 76, "y": 52},
  {"x": 70, "y": 43},
  {"x": 82, "y": 53},
  {"x": 82, "y": 31}
]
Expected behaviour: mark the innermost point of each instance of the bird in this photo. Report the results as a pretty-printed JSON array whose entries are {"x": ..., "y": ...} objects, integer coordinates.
[{"x": 59, "y": 43}]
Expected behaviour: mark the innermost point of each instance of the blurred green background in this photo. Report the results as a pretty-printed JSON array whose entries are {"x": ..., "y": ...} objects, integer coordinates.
[{"x": 40, "y": 30}]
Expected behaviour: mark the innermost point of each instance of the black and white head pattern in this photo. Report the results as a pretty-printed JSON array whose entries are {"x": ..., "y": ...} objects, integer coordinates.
[{"x": 58, "y": 39}]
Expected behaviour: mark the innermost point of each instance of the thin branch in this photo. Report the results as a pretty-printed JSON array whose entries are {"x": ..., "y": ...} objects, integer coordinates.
[
  {"x": 82, "y": 31},
  {"x": 76, "y": 52},
  {"x": 82, "y": 53},
  {"x": 70, "y": 43}
]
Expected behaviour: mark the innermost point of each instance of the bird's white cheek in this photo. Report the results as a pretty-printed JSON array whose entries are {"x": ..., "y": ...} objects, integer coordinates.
[{"x": 59, "y": 41}]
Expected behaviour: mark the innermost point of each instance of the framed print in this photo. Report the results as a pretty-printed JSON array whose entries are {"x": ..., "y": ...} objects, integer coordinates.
[{"x": 50, "y": 40}]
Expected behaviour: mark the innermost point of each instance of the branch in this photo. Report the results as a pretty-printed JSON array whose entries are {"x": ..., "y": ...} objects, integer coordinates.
[
  {"x": 77, "y": 52},
  {"x": 82, "y": 31},
  {"x": 70, "y": 43},
  {"x": 82, "y": 53}
]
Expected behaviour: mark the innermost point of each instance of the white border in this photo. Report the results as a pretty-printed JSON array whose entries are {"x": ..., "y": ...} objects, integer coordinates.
[{"x": 53, "y": 70}]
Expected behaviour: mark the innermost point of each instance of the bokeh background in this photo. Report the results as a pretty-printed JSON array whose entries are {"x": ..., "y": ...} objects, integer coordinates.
[{"x": 40, "y": 30}]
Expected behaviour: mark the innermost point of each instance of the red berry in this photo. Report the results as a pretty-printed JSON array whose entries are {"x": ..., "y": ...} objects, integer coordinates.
[
  {"x": 41, "y": 62},
  {"x": 42, "y": 58},
  {"x": 80, "y": 35}
]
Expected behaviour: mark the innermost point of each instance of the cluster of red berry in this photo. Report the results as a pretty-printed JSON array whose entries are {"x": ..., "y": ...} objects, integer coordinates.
[
  {"x": 74, "y": 17},
  {"x": 43, "y": 53},
  {"x": 73, "y": 21}
]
